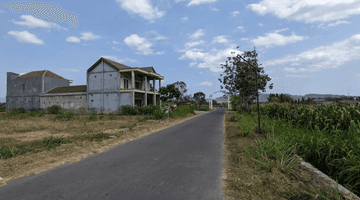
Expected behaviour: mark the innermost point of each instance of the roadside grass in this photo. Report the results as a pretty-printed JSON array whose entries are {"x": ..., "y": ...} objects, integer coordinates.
[
  {"x": 15, "y": 123},
  {"x": 263, "y": 166},
  {"x": 37, "y": 141}
]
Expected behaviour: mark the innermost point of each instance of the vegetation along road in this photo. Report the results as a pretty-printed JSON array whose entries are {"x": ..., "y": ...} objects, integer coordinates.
[{"x": 179, "y": 162}]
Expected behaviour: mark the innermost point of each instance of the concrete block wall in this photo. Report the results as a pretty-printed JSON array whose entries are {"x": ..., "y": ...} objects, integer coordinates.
[{"x": 71, "y": 102}]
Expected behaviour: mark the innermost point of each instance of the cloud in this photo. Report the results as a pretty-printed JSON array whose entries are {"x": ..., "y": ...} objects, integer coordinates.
[
  {"x": 308, "y": 11},
  {"x": 114, "y": 58},
  {"x": 322, "y": 58},
  {"x": 240, "y": 28},
  {"x": 33, "y": 22},
  {"x": 198, "y": 2},
  {"x": 115, "y": 42},
  {"x": 158, "y": 36},
  {"x": 275, "y": 39},
  {"x": 73, "y": 39},
  {"x": 211, "y": 60},
  {"x": 200, "y": 72},
  {"x": 160, "y": 53},
  {"x": 197, "y": 34},
  {"x": 260, "y": 24},
  {"x": 141, "y": 44},
  {"x": 338, "y": 22},
  {"x": 214, "y": 9},
  {"x": 142, "y": 8},
  {"x": 193, "y": 63},
  {"x": 235, "y": 13},
  {"x": 85, "y": 36},
  {"x": 185, "y": 19},
  {"x": 244, "y": 39},
  {"x": 206, "y": 83},
  {"x": 89, "y": 36},
  {"x": 26, "y": 37},
  {"x": 220, "y": 39},
  {"x": 191, "y": 44}
]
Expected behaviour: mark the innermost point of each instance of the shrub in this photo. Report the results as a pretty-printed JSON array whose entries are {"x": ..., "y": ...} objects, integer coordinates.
[
  {"x": 32, "y": 114},
  {"x": 2, "y": 109},
  {"x": 33, "y": 110},
  {"x": 53, "y": 109},
  {"x": 148, "y": 109},
  {"x": 158, "y": 114},
  {"x": 17, "y": 110},
  {"x": 65, "y": 115},
  {"x": 128, "y": 110},
  {"x": 92, "y": 116}
]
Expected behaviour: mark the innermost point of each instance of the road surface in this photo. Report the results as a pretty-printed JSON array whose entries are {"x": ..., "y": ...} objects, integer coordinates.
[{"x": 181, "y": 162}]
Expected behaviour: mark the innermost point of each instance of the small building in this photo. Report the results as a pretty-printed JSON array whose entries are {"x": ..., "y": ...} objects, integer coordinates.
[{"x": 110, "y": 85}]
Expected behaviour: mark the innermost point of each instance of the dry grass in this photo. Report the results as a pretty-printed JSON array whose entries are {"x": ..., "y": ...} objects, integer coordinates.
[{"x": 84, "y": 139}]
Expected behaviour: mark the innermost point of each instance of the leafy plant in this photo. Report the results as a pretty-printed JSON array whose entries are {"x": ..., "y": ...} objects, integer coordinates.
[
  {"x": 53, "y": 109},
  {"x": 147, "y": 109},
  {"x": 128, "y": 110}
]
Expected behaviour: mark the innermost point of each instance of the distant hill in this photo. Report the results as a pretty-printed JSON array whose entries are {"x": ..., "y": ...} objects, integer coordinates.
[{"x": 264, "y": 97}]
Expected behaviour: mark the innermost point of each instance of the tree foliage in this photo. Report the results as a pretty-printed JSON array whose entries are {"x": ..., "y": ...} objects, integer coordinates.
[
  {"x": 240, "y": 79},
  {"x": 181, "y": 86},
  {"x": 169, "y": 92},
  {"x": 199, "y": 98}
]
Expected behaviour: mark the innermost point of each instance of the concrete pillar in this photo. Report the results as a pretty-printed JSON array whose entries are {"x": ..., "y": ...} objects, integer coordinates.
[
  {"x": 133, "y": 80},
  {"x": 146, "y": 85},
  {"x": 133, "y": 87},
  {"x": 154, "y": 99},
  {"x": 159, "y": 91},
  {"x": 120, "y": 82}
]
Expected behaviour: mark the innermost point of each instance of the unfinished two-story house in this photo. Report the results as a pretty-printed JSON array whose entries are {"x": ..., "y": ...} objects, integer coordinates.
[{"x": 109, "y": 86}]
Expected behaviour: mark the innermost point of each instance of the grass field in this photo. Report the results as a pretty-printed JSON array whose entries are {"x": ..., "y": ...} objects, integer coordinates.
[{"x": 263, "y": 166}]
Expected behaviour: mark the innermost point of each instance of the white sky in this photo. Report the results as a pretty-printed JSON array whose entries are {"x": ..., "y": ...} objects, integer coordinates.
[{"x": 304, "y": 46}]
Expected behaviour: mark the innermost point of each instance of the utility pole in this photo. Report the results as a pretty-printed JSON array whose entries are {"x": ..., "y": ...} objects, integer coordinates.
[
  {"x": 257, "y": 92},
  {"x": 257, "y": 97}
]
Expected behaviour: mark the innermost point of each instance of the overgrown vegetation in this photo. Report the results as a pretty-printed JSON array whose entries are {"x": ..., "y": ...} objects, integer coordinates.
[
  {"x": 277, "y": 175},
  {"x": 56, "y": 114}
]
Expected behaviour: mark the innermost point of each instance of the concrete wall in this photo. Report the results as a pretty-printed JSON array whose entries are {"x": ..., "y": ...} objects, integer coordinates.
[
  {"x": 103, "y": 89},
  {"x": 25, "y": 92},
  {"x": 50, "y": 83},
  {"x": 126, "y": 98},
  {"x": 72, "y": 102}
]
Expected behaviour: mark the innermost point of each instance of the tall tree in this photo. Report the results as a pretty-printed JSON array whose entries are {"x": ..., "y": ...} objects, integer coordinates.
[
  {"x": 199, "y": 97},
  {"x": 241, "y": 76},
  {"x": 181, "y": 86},
  {"x": 169, "y": 92}
]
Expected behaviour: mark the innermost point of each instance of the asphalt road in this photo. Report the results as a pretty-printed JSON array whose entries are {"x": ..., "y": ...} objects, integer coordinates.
[{"x": 181, "y": 162}]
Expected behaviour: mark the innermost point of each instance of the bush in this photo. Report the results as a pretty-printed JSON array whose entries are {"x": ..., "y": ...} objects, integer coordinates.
[
  {"x": 148, "y": 109},
  {"x": 32, "y": 114},
  {"x": 33, "y": 110},
  {"x": 158, "y": 114},
  {"x": 2, "y": 109},
  {"x": 128, "y": 110},
  {"x": 65, "y": 115},
  {"x": 53, "y": 109},
  {"x": 18, "y": 110},
  {"x": 92, "y": 116}
]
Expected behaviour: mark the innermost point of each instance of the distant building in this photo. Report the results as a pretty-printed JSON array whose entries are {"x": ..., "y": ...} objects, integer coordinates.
[{"x": 109, "y": 86}]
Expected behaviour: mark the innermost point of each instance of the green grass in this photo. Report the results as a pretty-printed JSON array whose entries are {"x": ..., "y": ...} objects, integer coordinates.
[{"x": 284, "y": 140}]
